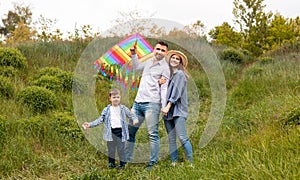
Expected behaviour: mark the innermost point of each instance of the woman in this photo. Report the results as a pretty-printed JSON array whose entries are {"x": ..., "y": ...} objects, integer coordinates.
[{"x": 176, "y": 111}]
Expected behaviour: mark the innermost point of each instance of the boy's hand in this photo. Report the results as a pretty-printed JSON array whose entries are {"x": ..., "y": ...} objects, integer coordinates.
[
  {"x": 85, "y": 125},
  {"x": 135, "y": 122}
]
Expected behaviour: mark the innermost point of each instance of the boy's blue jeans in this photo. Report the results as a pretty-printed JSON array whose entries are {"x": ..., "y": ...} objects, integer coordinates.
[
  {"x": 177, "y": 127},
  {"x": 150, "y": 112}
]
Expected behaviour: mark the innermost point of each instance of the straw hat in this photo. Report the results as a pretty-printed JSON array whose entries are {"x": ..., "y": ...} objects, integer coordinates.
[{"x": 178, "y": 53}]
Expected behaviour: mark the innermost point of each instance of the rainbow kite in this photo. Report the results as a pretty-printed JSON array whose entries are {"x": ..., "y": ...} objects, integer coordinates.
[{"x": 115, "y": 63}]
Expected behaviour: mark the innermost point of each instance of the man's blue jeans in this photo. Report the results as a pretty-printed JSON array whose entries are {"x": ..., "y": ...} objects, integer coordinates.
[
  {"x": 150, "y": 112},
  {"x": 177, "y": 127}
]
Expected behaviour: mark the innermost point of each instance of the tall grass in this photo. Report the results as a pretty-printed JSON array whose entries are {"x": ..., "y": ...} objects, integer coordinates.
[{"x": 253, "y": 141}]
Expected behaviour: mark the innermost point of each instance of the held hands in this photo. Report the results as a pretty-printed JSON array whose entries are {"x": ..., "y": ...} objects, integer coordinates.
[
  {"x": 85, "y": 125},
  {"x": 166, "y": 109},
  {"x": 162, "y": 80}
]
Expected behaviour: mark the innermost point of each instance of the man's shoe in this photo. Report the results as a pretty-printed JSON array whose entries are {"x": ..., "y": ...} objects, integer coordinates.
[{"x": 150, "y": 165}]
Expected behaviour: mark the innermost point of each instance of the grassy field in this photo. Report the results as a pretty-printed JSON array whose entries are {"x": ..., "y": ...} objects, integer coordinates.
[{"x": 258, "y": 139}]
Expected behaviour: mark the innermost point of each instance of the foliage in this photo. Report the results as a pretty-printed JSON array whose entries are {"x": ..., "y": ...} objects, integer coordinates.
[
  {"x": 8, "y": 71},
  {"x": 49, "y": 71},
  {"x": 6, "y": 87},
  {"x": 14, "y": 17},
  {"x": 67, "y": 79},
  {"x": 265, "y": 60},
  {"x": 22, "y": 34},
  {"x": 251, "y": 142},
  {"x": 226, "y": 35},
  {"x": 65, "y": 124},
  {"x": 253, "y": 22},
  {"x": 38, "y": 99},
  {"x": 49, "y": 82},
  {"x": 232, "y": 55},
  {"x": 12, "y": 57}
]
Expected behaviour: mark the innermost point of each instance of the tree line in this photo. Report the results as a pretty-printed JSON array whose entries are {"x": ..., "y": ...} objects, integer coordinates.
[{"x": 253, "y": 30}]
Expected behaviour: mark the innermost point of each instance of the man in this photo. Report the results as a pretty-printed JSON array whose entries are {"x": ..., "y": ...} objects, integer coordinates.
[{"x": 149, "y": 99}]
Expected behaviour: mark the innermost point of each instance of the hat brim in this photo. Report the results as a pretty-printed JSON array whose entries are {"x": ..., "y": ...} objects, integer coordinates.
[{"x": 178, "y": 53}]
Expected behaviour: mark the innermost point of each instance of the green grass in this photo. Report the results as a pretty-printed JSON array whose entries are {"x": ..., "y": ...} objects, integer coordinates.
[{"x": 253, "y": 142}]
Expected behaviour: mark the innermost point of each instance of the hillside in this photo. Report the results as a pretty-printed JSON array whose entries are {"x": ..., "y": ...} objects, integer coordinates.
[{"x": 258, "y": 138}]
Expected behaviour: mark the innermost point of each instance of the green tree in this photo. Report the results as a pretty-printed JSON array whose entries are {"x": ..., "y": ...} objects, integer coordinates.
[
  {"x": 253, "y": 24},
  {"x": 281, "y": 30},
  {"x": 225, "y": 35},
  {"x": 196, "y": 29},
  {"x": 13, "y": 17},
  {"x": 22, "y": 33}
]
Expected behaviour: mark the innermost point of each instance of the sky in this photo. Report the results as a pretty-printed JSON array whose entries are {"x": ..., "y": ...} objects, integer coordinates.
[{"x": 101, "y": 14}]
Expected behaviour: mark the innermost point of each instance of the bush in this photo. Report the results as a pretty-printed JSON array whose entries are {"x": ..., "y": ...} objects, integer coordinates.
[
  {"x": 232, "y": 55},
  {"x": 8, "y": 71},
  {"x": 254, "y": 71},
  {"x": 65, "y": 124},
  {"x": 49, "y": 82},
  {"x": 38, "y": 99},
  {"x": 79, "y": 85},
  {"x": 6, "y": 87},
  {"x": 50, "y": 71},
  {"x": 12, "y": 57},
  {"x": 67, "y": 79},
  {"x": 265, "y": 60}
]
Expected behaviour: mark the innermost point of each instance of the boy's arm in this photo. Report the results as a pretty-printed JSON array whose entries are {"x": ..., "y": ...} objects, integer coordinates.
[{"x": 99, "y": 120}]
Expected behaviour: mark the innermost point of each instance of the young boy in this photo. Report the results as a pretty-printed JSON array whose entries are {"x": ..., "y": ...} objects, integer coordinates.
[{"x": 115, "y": 127}]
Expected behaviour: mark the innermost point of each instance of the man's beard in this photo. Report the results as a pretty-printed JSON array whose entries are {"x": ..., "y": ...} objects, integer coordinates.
[{"x": 159, "y": 57}]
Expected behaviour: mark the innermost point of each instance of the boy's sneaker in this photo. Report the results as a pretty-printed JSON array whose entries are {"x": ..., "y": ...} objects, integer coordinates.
[
  {"x": 150, "y": 165},
  {"x": 174, "y": 164}
]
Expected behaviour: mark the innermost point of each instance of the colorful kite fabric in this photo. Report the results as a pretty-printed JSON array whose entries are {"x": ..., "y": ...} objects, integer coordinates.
[{"x": 115, "y": 63}]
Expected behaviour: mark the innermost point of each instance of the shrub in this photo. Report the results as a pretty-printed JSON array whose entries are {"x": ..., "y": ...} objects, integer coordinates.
[
  {"x": 265, "y": 60},
  {"x": 12, "y": 57},
  {"x": 38, "y": 99},
  {"x": 254, "y": 71},
  {"x": 50, "y": 71},
  {"x": 6, "y": 87},
  {"x": 8, "y": 71},
  {"x": 65, "y": 124},
  {"x": 78, "y": 85},
  {"x": 34, "y": 126},
  {"x": 232, "y": 55},
  {"x": 247, "y": 55},
  {"x": 66, "y": 78},
  {"x": 49, "y": 82}
]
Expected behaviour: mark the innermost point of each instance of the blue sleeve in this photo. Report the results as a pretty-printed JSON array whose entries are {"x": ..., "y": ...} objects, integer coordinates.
[
  {"x": 178, "y": 88},
  {"x": 100, "y": 119}
]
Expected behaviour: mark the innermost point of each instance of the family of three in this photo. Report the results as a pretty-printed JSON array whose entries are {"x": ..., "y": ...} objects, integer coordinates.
[{"x": 163, "y": 88}]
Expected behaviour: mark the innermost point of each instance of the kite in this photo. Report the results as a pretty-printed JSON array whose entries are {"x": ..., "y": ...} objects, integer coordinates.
[{"x": 116, "y": 64}]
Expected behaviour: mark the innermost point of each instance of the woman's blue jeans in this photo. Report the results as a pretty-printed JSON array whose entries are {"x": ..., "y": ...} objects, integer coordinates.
[{"x": 177, "y": 127}]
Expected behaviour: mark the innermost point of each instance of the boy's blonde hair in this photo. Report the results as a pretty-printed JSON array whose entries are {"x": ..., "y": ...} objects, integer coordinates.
[{"x": 114, "y": 91}]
